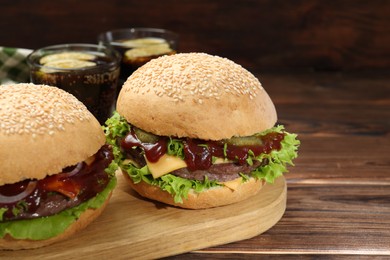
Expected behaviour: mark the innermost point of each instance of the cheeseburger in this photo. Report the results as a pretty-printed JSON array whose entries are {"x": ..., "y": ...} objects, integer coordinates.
[
  {"x": 197, "y": 131},
  {"x": 56, "y": 172}
]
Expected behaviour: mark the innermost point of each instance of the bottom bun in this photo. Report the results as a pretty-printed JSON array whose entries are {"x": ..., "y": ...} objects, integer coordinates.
[
  {"x": 9, "y": 243},
  {"x": 213, "y": 197}
]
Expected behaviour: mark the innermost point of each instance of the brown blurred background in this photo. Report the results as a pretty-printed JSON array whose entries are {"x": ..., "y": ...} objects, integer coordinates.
[{"x": 259, "y": 34}]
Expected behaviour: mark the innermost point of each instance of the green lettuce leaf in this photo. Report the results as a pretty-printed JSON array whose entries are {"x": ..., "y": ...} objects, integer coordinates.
[
  {"x": 175, "y": 148},
  {"x": 176, "y": 186},
  {"x": 51, "y": 226},
  {"x": 115, "y": 127},
  {"x": 278, "y": 161}
]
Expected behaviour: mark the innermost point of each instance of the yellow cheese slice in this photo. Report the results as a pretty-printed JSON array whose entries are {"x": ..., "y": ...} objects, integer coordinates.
[
  {"x": 166, "y": 164},
  {"x": 233, "y": 184},
  {"x": 169, "y": 163}
]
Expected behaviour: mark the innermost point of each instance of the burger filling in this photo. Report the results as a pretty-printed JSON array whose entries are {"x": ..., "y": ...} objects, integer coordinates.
[
  {"x": 30, "y": 199},
  {"x": 215, "y": 160},
  {"x": 178, "y": 165}
]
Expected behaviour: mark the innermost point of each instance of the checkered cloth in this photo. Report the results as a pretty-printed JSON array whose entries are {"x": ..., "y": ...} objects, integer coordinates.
[{"x": 13, "y": 65}]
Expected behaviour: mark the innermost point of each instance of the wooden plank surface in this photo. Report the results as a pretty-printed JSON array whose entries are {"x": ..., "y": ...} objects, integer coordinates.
[
  {"x": 327, "y": 219},
  {"x": 339, "y": 191}
]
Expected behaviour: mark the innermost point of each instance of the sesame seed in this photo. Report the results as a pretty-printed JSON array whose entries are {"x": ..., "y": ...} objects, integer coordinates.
[
  {"x": 186, "y": 74},
  {"x": 38, "y": 109}
]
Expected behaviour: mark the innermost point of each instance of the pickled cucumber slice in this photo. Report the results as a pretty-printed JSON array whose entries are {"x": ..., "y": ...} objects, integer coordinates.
[
  {"x": 245, "y": 141},
  {"x": 152, "y": 50},
  {"x": 67, "y": 56},
  {"x": 145, "y": 137}
]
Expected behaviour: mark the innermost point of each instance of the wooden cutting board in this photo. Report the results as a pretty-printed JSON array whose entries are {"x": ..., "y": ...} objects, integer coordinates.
[{"x": 135, "y": 228}]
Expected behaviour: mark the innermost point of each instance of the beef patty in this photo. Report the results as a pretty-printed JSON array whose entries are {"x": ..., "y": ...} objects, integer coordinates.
[{"x": 218, "y": 172}]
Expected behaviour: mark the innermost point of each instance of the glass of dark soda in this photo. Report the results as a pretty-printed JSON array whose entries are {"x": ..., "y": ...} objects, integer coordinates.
[
  {"x": 137, "y": 46},
  {"x": 90, "y": 72}
]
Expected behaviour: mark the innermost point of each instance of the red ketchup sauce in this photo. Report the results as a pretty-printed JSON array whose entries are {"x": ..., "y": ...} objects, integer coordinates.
[
  {"x": 198, "y": 154},
  {"x": 72, "y": 185},
  {"x": 153, "y": 152}
]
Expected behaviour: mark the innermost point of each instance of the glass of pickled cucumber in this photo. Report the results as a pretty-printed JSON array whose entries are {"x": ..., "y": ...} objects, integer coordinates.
[
  {"x": 139, "y": 45},
  {"x": 90, "y": 72}
]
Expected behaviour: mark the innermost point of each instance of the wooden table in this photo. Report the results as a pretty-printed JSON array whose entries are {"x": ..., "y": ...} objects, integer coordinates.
[{"x": 339, "y": 191}]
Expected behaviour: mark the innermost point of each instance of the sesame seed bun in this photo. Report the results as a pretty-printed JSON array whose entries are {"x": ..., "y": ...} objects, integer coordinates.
[
  {"x": 43, "y": 129},
  {"x": 196, "y": 95},
  {"x": 210, "y": 198}
]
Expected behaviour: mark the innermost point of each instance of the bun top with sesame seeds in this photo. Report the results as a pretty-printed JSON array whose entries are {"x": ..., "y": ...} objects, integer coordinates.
[
  {"x": 43, "y": 129},
  {"x": 196, "y": 95}
]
